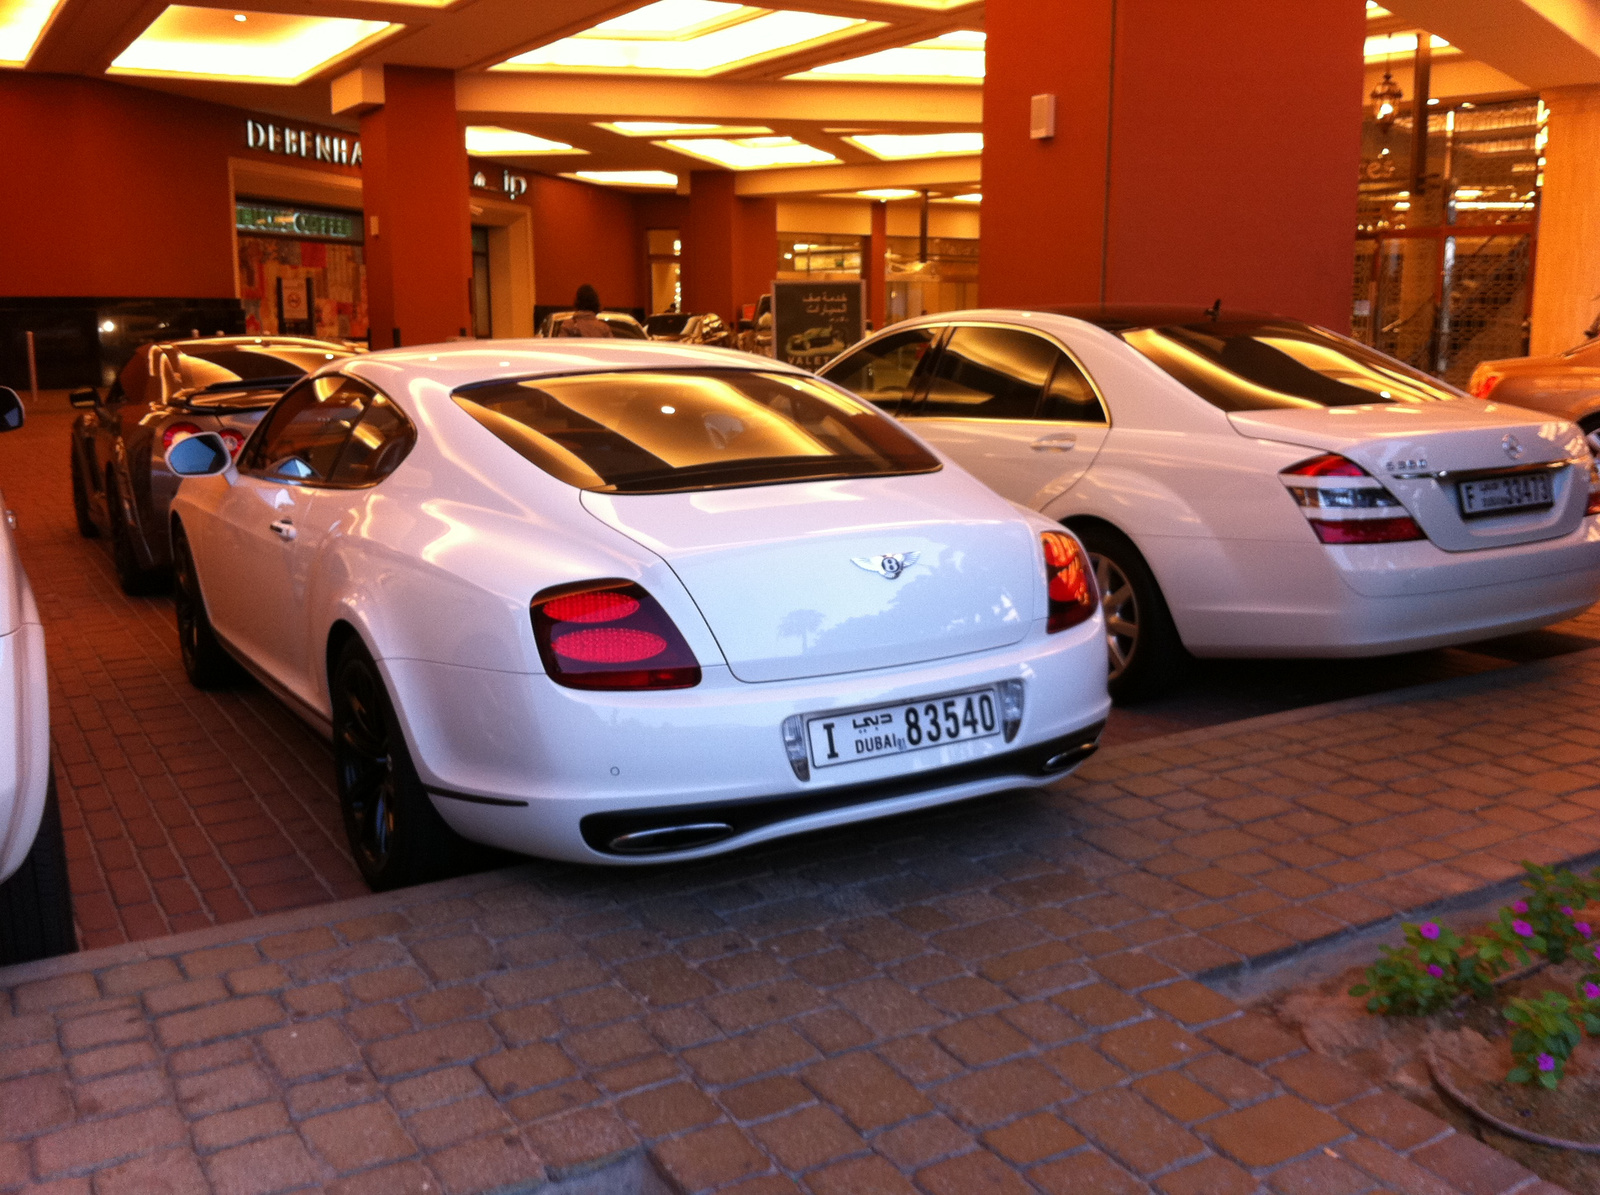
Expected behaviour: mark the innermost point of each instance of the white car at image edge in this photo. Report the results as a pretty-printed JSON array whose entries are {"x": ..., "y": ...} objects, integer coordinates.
[
  {"x": 628, "y": 602},
  {"x": 35, "y": 897},
  {"x": 1251, "y": 485}
]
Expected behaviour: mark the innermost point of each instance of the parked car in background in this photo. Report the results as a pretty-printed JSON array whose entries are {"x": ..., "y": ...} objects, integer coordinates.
[
  {"x": 683, "y": 328},
  {"x": 168, "y": 390},
  {"x": 1249, "y": 485},
  {"x": 1566, "y": 385},
  {"x": 620, "y": 602},
  {"x": 623, "y": 326},
  {"x": 35, "y": 897}
]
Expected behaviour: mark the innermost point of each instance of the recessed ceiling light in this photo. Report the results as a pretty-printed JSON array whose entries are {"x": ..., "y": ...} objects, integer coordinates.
[
  {"x": 969, "y": 197},
  {"x": 21, "y": 23},
  {"x": 750, "y": 153},
  {"x": 239, "y": 16},
  {"x": 889, "y": 193},
  {"x": 895, "y": 146},
  {"x": 957, "y": 56},
  {"x": 687, "y": 37},
  {"x": 626, "y": 178},
  {"x": 491, "y": 139},
  {"x": 207, "y": 43},
  {"x": 666, "y": 128}
]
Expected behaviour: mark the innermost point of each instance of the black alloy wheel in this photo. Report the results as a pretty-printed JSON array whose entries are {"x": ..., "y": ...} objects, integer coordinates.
[
  {"x": 396, "y": 835},
  {"x": 1144, "y": 654},
  {"x": 135, "y": 579},
  {"x": 80, "y": 499},
  {"x": 36, "y": 901},
  {"x": 206, "y": 662}
]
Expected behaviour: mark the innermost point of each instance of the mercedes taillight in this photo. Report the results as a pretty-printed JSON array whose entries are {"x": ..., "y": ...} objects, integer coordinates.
[
  {"x": 1069, "y": 582},
  {"x": 1347, "y": 505},
  {"x": 610, "y": 635}
]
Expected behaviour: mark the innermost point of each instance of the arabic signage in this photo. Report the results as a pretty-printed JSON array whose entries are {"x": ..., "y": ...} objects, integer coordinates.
[
  {"x": 813, "y": 322},
  {"x": 250, "y": 216},
  {"x": 302, "y": 143}
]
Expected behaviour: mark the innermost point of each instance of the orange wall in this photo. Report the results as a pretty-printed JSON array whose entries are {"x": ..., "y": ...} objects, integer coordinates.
[
  {"x": 584, "y": 233},
  {"x": 1235, "y": 140},
  {"x": 729, "y": 246}
]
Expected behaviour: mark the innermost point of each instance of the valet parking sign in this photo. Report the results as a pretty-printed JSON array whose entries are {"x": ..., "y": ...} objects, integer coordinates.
[{"x": 813, "y": 322}]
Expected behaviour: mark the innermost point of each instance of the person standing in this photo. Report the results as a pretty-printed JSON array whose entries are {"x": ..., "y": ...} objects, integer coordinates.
[{"x": 585, "y": 319}]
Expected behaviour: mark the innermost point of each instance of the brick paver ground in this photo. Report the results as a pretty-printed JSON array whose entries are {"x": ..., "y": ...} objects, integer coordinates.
[
  {"x": 187, "y": 809},
  {"x": 1000, "y": 997}
]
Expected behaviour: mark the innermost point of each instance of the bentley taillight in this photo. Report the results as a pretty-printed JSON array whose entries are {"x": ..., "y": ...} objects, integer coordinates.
[
  {"x": 1069, "y": 582},
  {"x": 174, "y": 432},
  {"x": 1592, "y": 507},
  {"x": 1347, "y": 505},
  {"x": 610, "y": 635},
  {"x": 1484, "y": 383}
]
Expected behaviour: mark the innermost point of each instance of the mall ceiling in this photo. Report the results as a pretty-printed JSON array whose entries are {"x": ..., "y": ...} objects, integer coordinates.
[{"x": 837, "y": 98}]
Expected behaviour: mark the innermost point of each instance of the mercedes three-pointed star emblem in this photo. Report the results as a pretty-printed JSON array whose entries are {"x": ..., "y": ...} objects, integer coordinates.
[
  {"x": 889, "y": 566},
  {"x": 1512, "y": 446}
]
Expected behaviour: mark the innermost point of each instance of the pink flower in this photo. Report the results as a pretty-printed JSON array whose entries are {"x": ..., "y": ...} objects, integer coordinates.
[
  {"x": 1591, "y": 991},
  {"x": 1520, "y": 907},
  {"x": 1582, "y": 927},
  {"x": 1429, "y": 930},
  {"x": 1435, "y": 970},
  {"x": 1522, "y": 928},
  {"x": 1567, "y": 909},
  {"x": 1546, "y": 1062},
  {"x": 1597, "y": 950}
]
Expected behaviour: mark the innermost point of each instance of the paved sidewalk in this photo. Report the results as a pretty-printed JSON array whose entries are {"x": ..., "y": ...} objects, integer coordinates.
[{"x": 995, "y": 998}]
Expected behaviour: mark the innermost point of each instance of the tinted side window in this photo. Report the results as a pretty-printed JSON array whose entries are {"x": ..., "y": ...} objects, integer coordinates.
[
  {"x": 377, "y": 446},
  {"x": 302, "y": 436},
  {"x": 882, "y": 371},
  {"x": 1070, "y": 397},
  {"x": 989, "y": 373}
]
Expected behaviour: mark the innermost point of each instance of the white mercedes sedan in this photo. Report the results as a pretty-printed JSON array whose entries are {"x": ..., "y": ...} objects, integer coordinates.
[
  {"x": 621, "y": 602},
  {"x": 1250, "y": 485}
]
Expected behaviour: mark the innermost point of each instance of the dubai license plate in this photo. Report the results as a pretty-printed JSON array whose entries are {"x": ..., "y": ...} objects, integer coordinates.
[
  {"x": 1501, "y": 495},
  {"x": 903, "y": 726}
]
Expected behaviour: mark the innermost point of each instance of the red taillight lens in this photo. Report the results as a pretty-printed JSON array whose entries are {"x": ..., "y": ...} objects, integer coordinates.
[
  {"x": 1329, "y": 464},
  {"x": 1482, "y": 386},
  {"x": 1366, "y": 531},
  {"x": 1069, "y": 582},
  {"x": 233, "y": 440},
  {"x": 1593, "y": 507},
  {"x": 175, "y": 432},
  {"x": 610, "y": 635}
]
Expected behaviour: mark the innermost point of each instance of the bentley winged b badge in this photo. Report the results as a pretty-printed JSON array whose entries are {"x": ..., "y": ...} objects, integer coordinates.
[{"x": 889, "y": 566}]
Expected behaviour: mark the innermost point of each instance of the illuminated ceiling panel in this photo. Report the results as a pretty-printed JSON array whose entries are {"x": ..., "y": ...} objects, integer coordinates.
[
  {"x": 262, "y": 47},
  {"x": 667, "y": 128},
  {"x": 21, "y": 23},
  {"x": 970, "y": 197},
  {"x": 884, "y": 193},
  {"x": 950, "y": 57},
  {"x": 1385, "y": 44},
  {"x": 626, "y": 178},
  {"x": 490, "y": 140},
  {"x": 750, "y": 153},
  {"x": 687, "y": 37},
  {"x": 895, "y": 146}
]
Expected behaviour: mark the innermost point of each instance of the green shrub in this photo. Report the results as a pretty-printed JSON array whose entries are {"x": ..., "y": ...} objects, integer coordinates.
[{"x": 1544, "y": 1039}]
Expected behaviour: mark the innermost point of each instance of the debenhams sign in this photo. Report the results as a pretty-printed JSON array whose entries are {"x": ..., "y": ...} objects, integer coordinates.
[{"x": 302, "y": 143}]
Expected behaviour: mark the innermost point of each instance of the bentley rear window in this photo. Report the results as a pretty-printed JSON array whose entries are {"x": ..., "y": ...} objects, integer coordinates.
[{"x": 656, "y": 432}]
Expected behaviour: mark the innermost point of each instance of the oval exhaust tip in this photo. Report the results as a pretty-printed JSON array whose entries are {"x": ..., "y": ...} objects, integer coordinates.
[
  {"x": 661, "y": 839},
  {"x": 1064, "y": 760}
]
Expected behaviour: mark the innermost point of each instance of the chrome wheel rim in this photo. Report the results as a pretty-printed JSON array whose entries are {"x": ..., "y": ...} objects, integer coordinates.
[
  {"x": 1121, "y": 610},
  {"x": 366, "y": 766}
]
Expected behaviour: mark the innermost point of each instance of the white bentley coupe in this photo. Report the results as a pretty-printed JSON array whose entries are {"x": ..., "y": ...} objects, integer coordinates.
[
  {"x": 1250, "y": 485},
  {"x": 624, "y": 602}
]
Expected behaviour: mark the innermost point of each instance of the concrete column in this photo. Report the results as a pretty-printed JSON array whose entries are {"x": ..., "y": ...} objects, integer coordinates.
[
  {"x": 415, "y": 197},
  {"x": 1566, "y": 276},
  {"x": 1201, "y": 151},
  {"x": 875, "y": 269},
  {"x": 730, "y": 246}
]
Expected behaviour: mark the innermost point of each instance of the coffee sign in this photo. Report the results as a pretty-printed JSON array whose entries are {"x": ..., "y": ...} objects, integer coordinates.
[{"x": 302, "y": 143}]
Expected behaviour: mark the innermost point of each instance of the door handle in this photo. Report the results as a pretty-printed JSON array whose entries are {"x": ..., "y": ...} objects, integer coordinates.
[
  {"x": 1061, "y": 442},
  {"x": 283, "y": 529}
]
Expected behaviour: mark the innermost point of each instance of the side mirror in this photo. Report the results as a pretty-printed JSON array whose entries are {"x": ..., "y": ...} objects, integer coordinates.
[
  {"x": 11, "y": 414},
  {"x": 87, "y": 397},
  {"x": 203, "y": 455}
]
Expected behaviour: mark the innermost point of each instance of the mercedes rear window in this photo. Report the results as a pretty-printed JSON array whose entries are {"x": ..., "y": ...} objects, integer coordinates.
[
  {"x": 663, "y": 431},
  {"x": 1256, "y": 365}
]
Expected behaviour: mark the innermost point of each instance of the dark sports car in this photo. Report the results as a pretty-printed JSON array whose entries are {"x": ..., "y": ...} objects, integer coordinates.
[{"x": 120, "y": 483}]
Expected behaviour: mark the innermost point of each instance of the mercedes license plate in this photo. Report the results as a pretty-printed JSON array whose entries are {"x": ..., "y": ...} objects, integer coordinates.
[
  {"x": 901, "y": 727},
  {"x": 1501, "y": 495}
]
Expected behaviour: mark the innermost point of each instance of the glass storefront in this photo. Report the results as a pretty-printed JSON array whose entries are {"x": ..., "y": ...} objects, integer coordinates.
[
  {"x": 1444, "y": 277},
  {"x": 302, "y": 271},
  {"x": 946, "y": 280}
]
